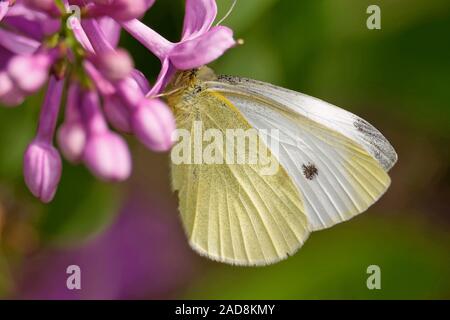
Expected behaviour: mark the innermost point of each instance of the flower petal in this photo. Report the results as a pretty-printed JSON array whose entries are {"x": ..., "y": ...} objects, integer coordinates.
[
  {"x": 101, "y": 83},
  {"x": 17, "y": 43},
  {"x": 149, "y": 38},
  {"x": 81, "y": 36},
  {"x": 203, "y": 49},
  {"x": 141, "y": 80},
  {"x": 167, "y": 71},
  {"x": 121, "y": 10},
  {"x": 111, "y": 29},
  {"x": 33, "y": 23},
  {"x": 200, "y": 15},
  {"x": 46, "y": 6}
]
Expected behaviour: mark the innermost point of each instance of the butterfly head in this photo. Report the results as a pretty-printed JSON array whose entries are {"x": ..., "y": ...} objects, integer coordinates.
[
  {"x": 188, "y": 82},
  {"x": 188, "y": 78}
]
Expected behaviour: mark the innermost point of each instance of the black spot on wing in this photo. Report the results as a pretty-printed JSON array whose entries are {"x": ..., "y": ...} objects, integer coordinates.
[{"x": 310, "y": 171}]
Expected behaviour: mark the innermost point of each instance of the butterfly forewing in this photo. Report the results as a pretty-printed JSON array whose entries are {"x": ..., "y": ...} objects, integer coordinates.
[{"x": 319, "y": 111}]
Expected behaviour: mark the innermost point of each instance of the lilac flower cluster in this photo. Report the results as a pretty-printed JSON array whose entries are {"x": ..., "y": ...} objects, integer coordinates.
[{"x": 79, "y": 61}]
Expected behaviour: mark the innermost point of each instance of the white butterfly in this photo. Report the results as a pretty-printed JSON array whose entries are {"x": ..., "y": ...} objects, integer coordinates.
[{"x": 333, "y": 166}]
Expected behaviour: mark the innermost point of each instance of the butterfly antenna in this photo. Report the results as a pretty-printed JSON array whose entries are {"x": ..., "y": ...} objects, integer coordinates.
[
  {"x": 228, "y": 13},
  {"x": 165, "y": 94}
]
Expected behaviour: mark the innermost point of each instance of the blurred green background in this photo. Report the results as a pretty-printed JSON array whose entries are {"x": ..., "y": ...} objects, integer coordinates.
[{"x": 398, "y": 78}]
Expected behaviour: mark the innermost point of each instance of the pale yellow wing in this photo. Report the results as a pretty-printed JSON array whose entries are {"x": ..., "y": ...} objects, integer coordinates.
[
  {"x": 233, "y": 213},
  {"x": 338, "y": 161}
]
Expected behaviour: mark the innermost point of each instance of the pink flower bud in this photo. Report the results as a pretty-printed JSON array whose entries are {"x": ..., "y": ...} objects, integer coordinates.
[
  {"x": 42, "y": 170},
  {"x": 117, "y": 114},
  {"x": 72, "y": 133},
  {"x": 115, "y": 65},
  {"x": 153, "y": 123},
  {"x": 6, "y": 83},
  {"x": 107, "y": 156},
  {"x": 10, "y": 96},
  {"x": 72, "y": 140},
  {"x": 29, "y": 73}
]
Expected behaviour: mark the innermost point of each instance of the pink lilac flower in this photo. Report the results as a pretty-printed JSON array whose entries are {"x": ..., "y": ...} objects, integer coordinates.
[
  {"x": 201, "y": 43},
  {"x": 22, "y": 53},
  {"x": 105, "y": 152},
  {"x": 149, "y": 119},
  {"x": 38, "y": 49},
  {"x": 42, "y": 162}
]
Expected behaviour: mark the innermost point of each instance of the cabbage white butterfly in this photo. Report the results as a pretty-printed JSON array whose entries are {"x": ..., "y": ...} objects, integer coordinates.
[{"x": 332, "y": 166}]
